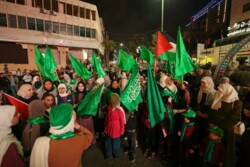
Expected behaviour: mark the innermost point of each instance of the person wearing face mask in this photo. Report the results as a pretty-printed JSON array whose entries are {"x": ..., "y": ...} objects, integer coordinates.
[{"x": 11, "y": 150}]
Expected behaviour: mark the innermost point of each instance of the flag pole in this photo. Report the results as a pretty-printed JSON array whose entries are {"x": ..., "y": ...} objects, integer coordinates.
[{"x": 154, "y": 66}]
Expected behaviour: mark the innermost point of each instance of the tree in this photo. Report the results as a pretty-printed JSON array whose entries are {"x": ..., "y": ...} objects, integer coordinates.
[{"x": 109, "y": 46}]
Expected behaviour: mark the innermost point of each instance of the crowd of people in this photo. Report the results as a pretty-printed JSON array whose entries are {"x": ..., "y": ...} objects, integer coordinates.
[{"x": 197, "y": 128}]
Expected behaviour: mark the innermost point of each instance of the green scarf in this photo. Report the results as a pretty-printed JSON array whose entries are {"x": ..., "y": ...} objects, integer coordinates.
[
  {"x": 168, "y": 92},
  {"x": 171, "y": 118},
  {"x": 209, "y": 151},
  {"x": 62, "y": 136},
  {"x": 37, "y": 120},
  {"x": 184, "y": 127}
]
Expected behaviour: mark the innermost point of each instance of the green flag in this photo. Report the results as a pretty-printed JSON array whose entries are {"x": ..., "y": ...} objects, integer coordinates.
[
  {"x": 125, "y": 61},
  {"x": 131, "y": 95},
  {"x": 89, "y": 104},
  {"x": 39, "y": 59},
  {"x": 183, "y": 63},
  {"x": 49, "y": 65},
  {"x": 156, "y": 107},
  {"x": 79, "y": 68},
  {"x": 147, "y": 55},
  {"x": 97, "y": 66},
  {"x": 169, "y": 67}
]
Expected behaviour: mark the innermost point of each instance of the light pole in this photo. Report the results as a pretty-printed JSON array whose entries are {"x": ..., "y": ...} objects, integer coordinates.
[
  {"x": 162, "y": 14},
  {"x": 122, "y": 45}
]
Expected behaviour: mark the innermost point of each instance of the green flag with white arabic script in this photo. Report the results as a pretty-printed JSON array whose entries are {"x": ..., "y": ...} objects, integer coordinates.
[{"x": 131, "y": 95}]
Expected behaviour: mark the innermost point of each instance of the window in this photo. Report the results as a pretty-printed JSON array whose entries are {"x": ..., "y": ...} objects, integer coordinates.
[
  {"x": 63, "y": 29},
  {"x": 31, "y": 23},
  {"x": 38, "y": 3},
  {"x": 82, "y": 31},
  {"x": 88, "y": 32},
  {"x": 12, "y": 21},
  {"x": 93, "y": 14},
  {"x": 76, "y": 30},
  {"x": 75, "y": 11},
  {"x": 39, "y": 25},
  {"x": 22, "y": 22},
  {"x": 87, "y": 14},
  {"x": 21, "y": 2},
  {"x": 3, "y": 21},
  {"x": 55, "y": 5},
  {"x": 69, "y": 9},
  {"x": 12, "y": 1},
  {"x": 93, "y": 33},
  {"x": 48, "y": 27},
  {"x": 69, "y": 29},
  {"x": 47, "y": 4},
  {"x": 56, "y": 27},
  {"x": 82, "y": 12},
  {"x": 246, "y": 8}
]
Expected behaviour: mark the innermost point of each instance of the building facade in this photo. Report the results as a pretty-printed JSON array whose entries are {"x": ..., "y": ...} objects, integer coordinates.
[
  {"x": 207, "y": 25},
  {"x": 66, "y": 26},
  {"x": 238, "y": 29}
]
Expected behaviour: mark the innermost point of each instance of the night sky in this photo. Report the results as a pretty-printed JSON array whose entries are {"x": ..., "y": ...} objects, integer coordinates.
[{"x": 123, "y": 18}]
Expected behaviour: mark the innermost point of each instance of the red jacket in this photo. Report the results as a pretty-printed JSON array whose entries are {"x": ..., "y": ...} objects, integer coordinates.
[{"x": 114, "y": 122}]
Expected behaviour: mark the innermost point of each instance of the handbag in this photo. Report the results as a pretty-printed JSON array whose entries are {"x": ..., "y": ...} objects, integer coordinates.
[{"x": 239, "y": 128}]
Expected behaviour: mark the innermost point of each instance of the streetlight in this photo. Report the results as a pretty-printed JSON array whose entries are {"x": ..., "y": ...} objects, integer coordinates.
[
  {"x": 162, "y": 14},
  {"x": 122, "y": 45}
]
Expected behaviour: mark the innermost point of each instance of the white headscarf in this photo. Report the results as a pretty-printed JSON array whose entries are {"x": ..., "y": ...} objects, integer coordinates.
[
  {"x": 62, "y": 86},
  {"x": 225, "y": 93},
  {"x": 6, "y": 137},
  {"x": 209, "y": 90},
  {"x": 163, "y": 80},
  {"x": 123, "y": 81},
  {"x": 23, "y": 90}
]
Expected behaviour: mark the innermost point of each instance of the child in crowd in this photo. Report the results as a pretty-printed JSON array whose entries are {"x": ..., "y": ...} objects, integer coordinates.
[
  {"x": 188, "y": 137},
  {"x": 113, "y": 126},
  {"x": 212, "y": 148},
  {"x": 130, "y": 129}
]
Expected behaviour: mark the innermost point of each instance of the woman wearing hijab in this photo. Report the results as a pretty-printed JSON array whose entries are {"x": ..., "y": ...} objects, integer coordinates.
[
  {"x": 63, "y": 147},
  {"x": 225, "y": 113},
  {"x": 26, "y": 93},
  {"x": 205, "y": 99},
  {"x": 11, "y": 151},
  {"x": 47, "y": 87},
  {"x": 114, "y": 87},
  {"x": 38, "y": 125},
  {"x": 84, "y": 120},
  {"x": 63, "y": 96},
  {"x": 80, "y": 92}
]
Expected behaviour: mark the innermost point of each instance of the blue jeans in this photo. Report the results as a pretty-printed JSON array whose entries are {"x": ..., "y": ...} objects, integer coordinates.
[
  {"x": 112, "y": 146},
  {"x": 14, "y": 90}
]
